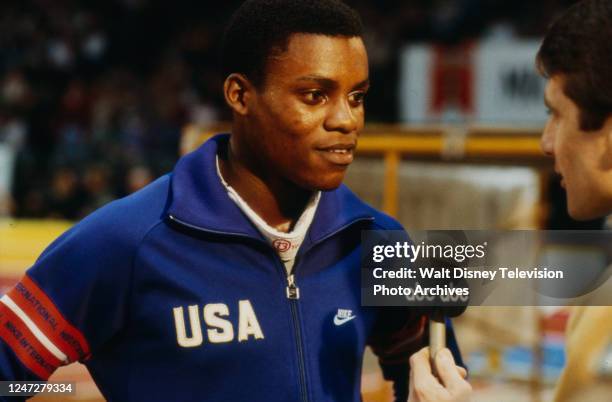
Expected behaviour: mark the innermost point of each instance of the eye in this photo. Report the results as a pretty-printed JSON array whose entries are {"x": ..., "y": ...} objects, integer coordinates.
[
  {"x": 552, "y": 113},
  {"x": 357, "y": 98},
  {"x": 314, "y": 97}
]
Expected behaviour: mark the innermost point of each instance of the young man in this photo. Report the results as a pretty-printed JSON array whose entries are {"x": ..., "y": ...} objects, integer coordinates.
[
  {"x": 575, "y": 56},
  {"x": 236, "y": 278}
]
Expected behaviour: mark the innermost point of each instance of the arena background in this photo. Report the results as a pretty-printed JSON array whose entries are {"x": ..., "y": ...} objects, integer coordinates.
[{"x": 99, "y": 98}]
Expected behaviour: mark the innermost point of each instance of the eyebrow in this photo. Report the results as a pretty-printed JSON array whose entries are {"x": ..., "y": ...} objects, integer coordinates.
[
  {"x": 329, "y": 83},
  {"x": 363, "y": 84}
]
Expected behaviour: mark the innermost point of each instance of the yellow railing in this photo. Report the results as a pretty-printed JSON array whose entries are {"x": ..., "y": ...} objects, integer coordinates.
[{"x": 496, "y": 145}]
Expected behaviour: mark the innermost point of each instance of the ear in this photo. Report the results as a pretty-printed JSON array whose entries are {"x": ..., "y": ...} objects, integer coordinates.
[{"x": 238, "y": 90}]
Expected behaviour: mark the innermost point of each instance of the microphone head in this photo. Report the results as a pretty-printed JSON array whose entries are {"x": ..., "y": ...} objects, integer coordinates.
[
  {"x": 439, "y": 312},
  {"x": 449, "y": 311}
]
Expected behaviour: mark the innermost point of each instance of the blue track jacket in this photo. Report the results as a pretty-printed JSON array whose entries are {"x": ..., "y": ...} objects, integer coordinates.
[{"x": 171, "y": 294}]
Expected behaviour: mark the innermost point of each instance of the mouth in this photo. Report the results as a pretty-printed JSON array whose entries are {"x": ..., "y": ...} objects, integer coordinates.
[{"x": 338, "y": 154}]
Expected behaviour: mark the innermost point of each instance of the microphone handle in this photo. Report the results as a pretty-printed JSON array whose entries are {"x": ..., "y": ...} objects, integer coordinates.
[{"x": 437, "y": 337}]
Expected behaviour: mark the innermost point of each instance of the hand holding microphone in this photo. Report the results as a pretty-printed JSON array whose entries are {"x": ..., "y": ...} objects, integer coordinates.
[
  {"x": 434, "y": 376},
  {"x": 449, "y": 385}
]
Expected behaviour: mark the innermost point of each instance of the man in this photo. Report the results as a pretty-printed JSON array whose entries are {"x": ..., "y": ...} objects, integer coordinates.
[
  {"x": 236, "y": 278},
  {"x": 575, "y": 57}
]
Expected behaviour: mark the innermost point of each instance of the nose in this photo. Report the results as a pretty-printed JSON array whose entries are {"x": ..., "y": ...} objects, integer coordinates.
[
  {"x": 547, "y": 140},
  {"x": 343, "y": 118}
]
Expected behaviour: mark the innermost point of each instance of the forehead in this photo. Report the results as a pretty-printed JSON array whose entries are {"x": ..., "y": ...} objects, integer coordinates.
[
  {"x": 553, "y": 93},
  {"x": 335, "y": 57}
]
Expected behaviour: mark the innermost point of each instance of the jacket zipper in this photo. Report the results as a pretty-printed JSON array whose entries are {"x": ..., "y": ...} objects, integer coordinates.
[{"x": 292, "y": 292}]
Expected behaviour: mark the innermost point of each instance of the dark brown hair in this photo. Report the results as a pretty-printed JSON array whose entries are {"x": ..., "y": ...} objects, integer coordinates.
[{"x": 578, "y": 46}]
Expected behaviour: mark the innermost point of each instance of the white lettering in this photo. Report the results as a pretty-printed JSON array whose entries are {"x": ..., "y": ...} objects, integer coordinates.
[
  {"x": 222, "y": 330},
  {"x": 247, "y": 322},
  {"x": 181, "y": 331},
  {"x": 218, "y": 329}
]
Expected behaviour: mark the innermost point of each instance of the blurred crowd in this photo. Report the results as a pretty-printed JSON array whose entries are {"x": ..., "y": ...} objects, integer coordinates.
[{"x": 94, "y": 95}]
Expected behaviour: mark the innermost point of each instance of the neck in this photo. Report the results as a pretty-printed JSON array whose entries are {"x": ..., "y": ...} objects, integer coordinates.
[{"x": 277, "y": 201}]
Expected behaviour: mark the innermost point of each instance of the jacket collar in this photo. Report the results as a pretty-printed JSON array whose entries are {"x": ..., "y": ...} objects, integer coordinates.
[{"x": 199, "y": 199}]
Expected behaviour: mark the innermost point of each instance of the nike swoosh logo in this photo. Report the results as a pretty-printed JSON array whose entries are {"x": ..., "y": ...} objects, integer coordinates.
[{"x": 341, "y": 321}]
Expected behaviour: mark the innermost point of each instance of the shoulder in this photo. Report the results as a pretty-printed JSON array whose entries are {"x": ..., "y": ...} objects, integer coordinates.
[{"x": 382, "y": 221}]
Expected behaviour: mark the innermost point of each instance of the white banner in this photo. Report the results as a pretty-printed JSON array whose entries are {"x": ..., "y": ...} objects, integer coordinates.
[
  {"x": 7, "y": 161},
  {"x": 508, "y": 88},
  {"x": 490, "y": 82}
]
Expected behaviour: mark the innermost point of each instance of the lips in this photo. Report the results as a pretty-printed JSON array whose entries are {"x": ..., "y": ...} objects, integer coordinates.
[{"x": 338, "y": 154}]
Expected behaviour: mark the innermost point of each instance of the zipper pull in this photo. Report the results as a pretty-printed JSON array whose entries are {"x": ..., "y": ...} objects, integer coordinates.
[{"x": 293, "y": 292}]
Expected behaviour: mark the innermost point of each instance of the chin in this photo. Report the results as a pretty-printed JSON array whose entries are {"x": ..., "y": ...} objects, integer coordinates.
[
  {"x": 325, "y": 182},
  {"x": 329, "y": 186}
]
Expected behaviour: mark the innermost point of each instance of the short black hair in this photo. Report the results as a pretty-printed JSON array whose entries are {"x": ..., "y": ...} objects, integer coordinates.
[
  {"x": 261, "y": 28},
  {"x": 578, "y": 46}
]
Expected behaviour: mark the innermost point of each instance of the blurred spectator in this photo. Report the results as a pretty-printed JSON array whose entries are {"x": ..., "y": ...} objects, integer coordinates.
[
  {"x": 13, "y": 130},
  {"x": 66, "y": 197},
  {"x": 104, "y": 85},
  {"x": 137, "y": 178},
  {"x": 97, "y": 187}
]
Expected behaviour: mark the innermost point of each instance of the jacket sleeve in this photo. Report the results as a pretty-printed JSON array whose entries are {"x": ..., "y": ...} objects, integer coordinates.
[{"x": 72, "y": 300}]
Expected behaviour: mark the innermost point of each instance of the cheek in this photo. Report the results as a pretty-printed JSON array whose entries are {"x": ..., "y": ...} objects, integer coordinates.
[
  {"x": 290, "y": 136},
  {"x": 577, "y": 162},
  {"x": 296, "y": 127},
  {"x": 565, "y": 150},
  {"x": 563, "y": 157},
  {"x": 303, "y": 119},
  {"x": 293, "y": 118}
]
